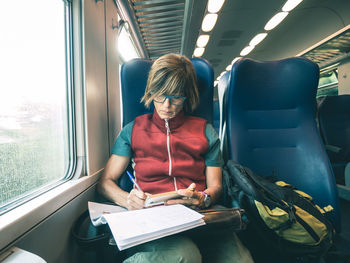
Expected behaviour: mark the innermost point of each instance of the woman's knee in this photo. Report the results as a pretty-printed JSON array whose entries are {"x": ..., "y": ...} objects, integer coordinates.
[
  {"x": 171, "y": 249},
  {"x": 189, "y": 252}
]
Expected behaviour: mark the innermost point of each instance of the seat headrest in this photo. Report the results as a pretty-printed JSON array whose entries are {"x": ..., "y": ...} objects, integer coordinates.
[{"x": 271, "y": 84}]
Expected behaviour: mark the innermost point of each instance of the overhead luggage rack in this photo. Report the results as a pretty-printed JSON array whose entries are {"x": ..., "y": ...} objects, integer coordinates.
[
  {"x": 162, "y": 24},
  {"x": 330, "y": 50}
]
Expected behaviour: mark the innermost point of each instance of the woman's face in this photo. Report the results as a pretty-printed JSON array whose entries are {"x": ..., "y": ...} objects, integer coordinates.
[{"x": 167, "y": 109}]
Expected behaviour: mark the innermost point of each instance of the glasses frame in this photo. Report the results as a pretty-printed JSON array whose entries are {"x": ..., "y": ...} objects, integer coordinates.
[{"x": 171, "y": 99}]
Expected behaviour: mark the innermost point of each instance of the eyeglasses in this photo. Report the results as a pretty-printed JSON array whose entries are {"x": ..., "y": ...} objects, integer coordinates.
[{"x": 174, "y": 100}]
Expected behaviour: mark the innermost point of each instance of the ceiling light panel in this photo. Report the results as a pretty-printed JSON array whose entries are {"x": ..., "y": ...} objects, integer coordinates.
[
  {"x": 202, "y": 40},
  {"x": 209, "y": 22},
  {"x": 257, "y": 39},
  {"x": 290, "y": 5},
  {"x": 214, "y": 6},
  {"x": 245, "y": 51},
  {"x": 275, "y": 20},
  {"x": 198, "y": 52}
]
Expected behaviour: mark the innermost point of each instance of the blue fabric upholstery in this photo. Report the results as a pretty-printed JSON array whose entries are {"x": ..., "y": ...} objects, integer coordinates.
[
  {"x": 205, "y": 84},
  {"x": 334, "y": 124},
  {"x": 133, "y": 77},
  {"x": 271, "y": 128},
  {"x": 134, "y": 74}
]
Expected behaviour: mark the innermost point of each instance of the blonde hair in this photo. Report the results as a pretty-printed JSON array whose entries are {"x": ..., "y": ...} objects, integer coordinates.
[{"x": 172, "y": 75}]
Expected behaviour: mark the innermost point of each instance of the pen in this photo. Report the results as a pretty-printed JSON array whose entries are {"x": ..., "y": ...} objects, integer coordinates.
[{"x": 133, "y": 180}]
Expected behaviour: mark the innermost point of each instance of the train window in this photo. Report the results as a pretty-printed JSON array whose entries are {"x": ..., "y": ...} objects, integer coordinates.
[
  {"x": 328, "y": 84},
  {"x": 126, "y": 46},
  {"x": 35, "y": 109},
  {"x": 328, "y": 78}
]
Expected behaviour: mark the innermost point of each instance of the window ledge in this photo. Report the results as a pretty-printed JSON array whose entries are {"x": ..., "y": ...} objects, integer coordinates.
[{"x": 19, "y": 220}]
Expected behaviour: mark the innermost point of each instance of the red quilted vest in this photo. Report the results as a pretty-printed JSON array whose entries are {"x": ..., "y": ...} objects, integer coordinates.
[{"x": 166, "y": 161}]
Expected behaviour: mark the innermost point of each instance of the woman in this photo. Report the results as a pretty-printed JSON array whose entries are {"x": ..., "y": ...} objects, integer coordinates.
[{"x": 170, "y": 151}]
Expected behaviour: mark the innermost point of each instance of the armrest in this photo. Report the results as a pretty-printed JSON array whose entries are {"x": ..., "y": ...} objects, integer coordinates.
[
  {"x": 333, "y": 148},
  {"x": 347, "y": 174}
]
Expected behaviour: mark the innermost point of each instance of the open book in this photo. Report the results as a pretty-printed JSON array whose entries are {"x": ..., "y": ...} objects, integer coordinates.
[{"x": 131, "y": 228}]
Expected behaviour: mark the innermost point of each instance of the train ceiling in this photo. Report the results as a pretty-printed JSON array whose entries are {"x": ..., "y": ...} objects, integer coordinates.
[{"x": 173, "y": 26}]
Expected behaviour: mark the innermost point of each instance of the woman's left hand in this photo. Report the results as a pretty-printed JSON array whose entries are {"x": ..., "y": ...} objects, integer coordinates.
[{"x": 191, "y": 198}]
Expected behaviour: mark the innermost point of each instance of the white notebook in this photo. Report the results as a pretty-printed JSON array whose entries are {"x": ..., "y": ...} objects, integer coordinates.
[{"x": 135, "y": 227}]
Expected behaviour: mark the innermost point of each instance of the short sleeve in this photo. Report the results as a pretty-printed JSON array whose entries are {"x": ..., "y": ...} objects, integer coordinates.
[
  {"x": 213, "y": 157},
  {"x": 122, "y": 145}
]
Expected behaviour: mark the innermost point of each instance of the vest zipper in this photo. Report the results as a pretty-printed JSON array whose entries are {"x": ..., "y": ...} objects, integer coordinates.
[{"x": 168, "y": 143}]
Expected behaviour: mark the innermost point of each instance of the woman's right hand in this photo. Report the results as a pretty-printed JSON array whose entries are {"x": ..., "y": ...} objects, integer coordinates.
[{"x": 135, "y": 199}]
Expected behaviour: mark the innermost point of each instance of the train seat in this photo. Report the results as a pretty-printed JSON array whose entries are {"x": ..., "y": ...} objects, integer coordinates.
[
  {"x": 222, "y": 87},
  {"x": 271, "y": 127},
  {"x": 134, "y": 75},
  {"x": 334, "y": 124}
]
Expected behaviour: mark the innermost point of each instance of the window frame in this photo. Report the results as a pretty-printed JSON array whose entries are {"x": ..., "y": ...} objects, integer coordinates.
[
  {"x": 72, "y": 153},
  {"x": 330, "y": 87},
  {"x": 125, "y": 26},
  {"x": 26, "y": 214}
]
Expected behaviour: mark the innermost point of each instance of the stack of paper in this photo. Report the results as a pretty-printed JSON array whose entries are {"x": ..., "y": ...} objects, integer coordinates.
[
  {"x": 132, "y": 228},
  {"x": 98, "y": 210}
]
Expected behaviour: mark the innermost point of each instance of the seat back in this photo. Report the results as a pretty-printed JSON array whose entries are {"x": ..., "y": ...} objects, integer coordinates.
[
  {"x": 222, "y": 87},
  {"x": 334, "y": 124},
  {"x": 271, "y": 128},
  {"x": 205, "y": 84},
  {"x": 133, "y": 77},
  {"x": 334, "y": 120},
  {"x": 134, "y": 74}
]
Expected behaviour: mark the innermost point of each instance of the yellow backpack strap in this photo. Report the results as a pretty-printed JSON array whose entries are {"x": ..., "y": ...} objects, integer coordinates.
[
  {"x": 284, "y": 184},
  {"x": 281, "y": 183},
  {"x": 328, "y": 208}
]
